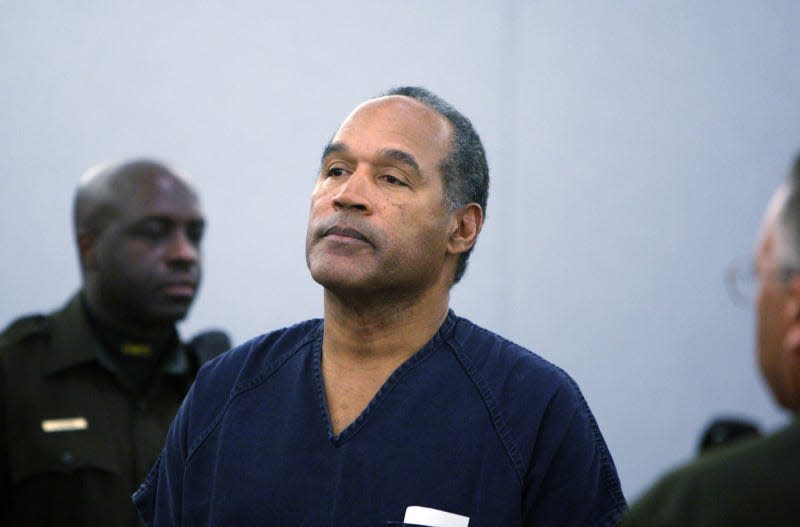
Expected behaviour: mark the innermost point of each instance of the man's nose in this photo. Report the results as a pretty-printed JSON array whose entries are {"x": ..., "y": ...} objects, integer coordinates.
[
  {"x": 354, "y": 192},
  {"x": 182, "y": 248}
]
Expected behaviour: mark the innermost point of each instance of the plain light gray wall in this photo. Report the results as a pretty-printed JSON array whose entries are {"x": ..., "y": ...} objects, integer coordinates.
[{"x": 633, "y": 146}]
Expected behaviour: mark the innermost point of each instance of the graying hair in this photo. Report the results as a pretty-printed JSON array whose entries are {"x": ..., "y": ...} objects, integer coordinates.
[
  {"x": 789, "y": 222},
  {"x": 465, "y": 172}
]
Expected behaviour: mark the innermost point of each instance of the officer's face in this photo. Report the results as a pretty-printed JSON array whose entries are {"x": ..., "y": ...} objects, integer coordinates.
[{"x": 147, "y": 260}]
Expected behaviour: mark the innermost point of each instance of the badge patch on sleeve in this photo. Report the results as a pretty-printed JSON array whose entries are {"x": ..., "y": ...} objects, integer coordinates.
[{"x": 68, "y": 424}]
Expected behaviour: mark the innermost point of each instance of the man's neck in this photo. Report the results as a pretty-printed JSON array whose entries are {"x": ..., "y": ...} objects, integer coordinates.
[
  {"x": 380, "y": 332},
  {"x": 363, "y": 344},
  {"x": 126, "y": 327}
]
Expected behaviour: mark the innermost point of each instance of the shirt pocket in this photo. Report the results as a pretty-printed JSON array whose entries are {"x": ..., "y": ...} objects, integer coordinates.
[
  {"x": 63, "y": 452},
  {"x": 69, "y": 478}
]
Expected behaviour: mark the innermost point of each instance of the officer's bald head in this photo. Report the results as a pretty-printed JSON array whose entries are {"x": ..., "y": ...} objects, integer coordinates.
[
  {"x": 103, "y": 189},
  {"x": 138, "y": 227}
]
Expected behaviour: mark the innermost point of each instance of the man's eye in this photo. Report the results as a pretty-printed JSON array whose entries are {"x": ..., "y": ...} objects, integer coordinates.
[
  {"x": 392, "y": 180},
  {"x": 335, "y": 171},
  {"x": 152, "y": 231},
  {"x": 195, "y": 234}
]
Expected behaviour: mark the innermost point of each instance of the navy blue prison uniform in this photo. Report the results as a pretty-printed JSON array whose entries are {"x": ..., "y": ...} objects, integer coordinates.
[{"x": 472, "y": 424}]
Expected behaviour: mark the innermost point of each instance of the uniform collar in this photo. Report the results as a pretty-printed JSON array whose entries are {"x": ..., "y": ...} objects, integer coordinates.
[{"x": 74, "y": 343}]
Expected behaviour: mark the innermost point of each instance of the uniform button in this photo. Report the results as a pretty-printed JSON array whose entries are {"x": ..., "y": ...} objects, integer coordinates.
[{"x": 67, "y": 458}]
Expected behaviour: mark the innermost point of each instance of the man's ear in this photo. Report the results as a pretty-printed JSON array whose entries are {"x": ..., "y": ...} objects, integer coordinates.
[
  {"x": 792, "y": 339},
  {"x": 87, "y": 250},
  {"x": 467, "y": 223}
]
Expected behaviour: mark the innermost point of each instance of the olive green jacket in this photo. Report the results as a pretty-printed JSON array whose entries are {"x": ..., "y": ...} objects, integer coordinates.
[
  {"x": 75, "y": 441},
  {"x": 752, "y": 483}
]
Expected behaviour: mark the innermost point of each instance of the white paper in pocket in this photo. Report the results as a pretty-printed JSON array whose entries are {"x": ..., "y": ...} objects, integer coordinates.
[{"x": 434, "y": 518}]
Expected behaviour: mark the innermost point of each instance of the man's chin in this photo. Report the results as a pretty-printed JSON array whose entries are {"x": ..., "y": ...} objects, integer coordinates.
[
  {"x": 338, "y": 280},
  {"x": 173, "y": 310}
]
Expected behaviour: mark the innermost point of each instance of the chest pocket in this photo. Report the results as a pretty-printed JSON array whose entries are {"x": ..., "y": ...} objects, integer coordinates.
[
  {"x": 70, "y": 477},
  {"x": 64, "y": 424},
  {"x": 63, "y": 452}
]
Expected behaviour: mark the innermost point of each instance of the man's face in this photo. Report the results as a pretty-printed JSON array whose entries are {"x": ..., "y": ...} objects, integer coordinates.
[
  {"x": 774, "y": 312},
  {"x": 378, "y": 219},
  {"x": 147, "y": 260}
]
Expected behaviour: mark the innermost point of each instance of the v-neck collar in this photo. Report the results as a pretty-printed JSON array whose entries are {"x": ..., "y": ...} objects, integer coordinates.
[{"x": 350, "y": 430}]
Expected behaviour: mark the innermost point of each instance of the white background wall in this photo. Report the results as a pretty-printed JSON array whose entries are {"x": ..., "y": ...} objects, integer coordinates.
[{"x": 633, "y": 146}]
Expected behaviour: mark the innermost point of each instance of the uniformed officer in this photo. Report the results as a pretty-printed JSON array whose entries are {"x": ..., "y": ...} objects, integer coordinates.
[
  {"x": 87, "y": 392},
  {"x": 755, "y": 481}
]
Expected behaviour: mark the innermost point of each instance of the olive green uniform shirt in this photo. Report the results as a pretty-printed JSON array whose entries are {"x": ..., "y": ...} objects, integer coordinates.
[
  {"x": 75, "y": 439},
  {"x": 755, "y": 483}
]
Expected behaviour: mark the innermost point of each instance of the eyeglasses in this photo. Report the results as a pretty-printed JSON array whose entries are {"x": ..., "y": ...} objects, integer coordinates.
[{"x": 742, "y": 278}]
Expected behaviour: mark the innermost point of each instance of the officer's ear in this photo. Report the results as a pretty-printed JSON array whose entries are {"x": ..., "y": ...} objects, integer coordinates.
[
  {"x": 791, "y": 340},
  {"x": 792, "y": 298},
  {"x": 87, "y": 250},
  {"x": 790, "y": 357}
]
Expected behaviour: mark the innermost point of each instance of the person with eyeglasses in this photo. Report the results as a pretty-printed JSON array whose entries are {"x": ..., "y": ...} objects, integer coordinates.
[{"x": 755, "y": 482}]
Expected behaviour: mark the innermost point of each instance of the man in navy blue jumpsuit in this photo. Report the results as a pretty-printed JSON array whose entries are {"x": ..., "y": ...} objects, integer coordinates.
[{"x": 391, "y": 410}]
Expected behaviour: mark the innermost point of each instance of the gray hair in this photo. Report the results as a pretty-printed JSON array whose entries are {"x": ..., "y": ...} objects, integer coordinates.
[
  {"x": 789, "y": 222},
  {"x": 465, "y": 172}
]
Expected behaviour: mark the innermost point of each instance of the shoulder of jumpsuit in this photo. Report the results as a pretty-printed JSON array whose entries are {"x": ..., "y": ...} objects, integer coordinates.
[
  {"x": 524, "y": 387},
  {"x": 246, "y": 366}
]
